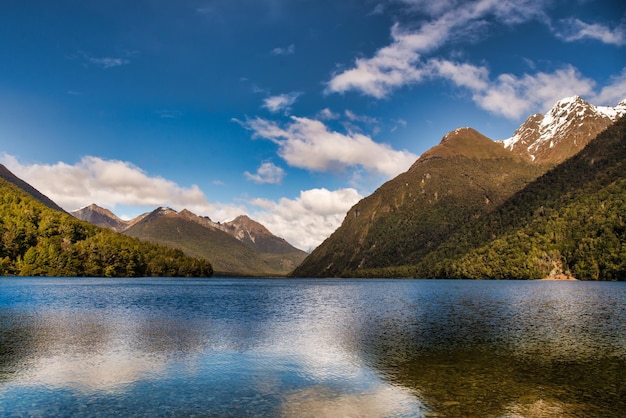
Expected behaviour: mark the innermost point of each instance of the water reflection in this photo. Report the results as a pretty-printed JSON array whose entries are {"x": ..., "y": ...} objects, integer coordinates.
[
  {"x": 312, "y": 348},
  {"x": 525, "y": 349}
]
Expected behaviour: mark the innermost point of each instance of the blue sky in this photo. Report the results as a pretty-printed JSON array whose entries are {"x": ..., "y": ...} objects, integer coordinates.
[{"x": 289, "y": 111}]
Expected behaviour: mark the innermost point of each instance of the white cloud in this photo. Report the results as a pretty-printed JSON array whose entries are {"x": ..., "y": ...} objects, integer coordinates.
[
  {"x": 310, "y": 218},
  {"x": 308, "y": 144},
  {"x": 512, "y": 96},
  {"x": 267, "y": 173},
  {"x": 612, "y": 93},
  {"x": 398, "y": 64},
  {"x": 391, "y": 67},
  {"x": 327, "y": 114},
  {"x": 291, "y": 49},
  {"x": 403, "y": 61},
  {"x": 360, "y": 118},
  {"x": 462, "y": 75},
  {"x": 574, "y": 30},
  {"x": 113, "y": 183},
  {"x": 304, "y": 221},
  {"x": 281, "y": 102},
  {"x": 515, "y": 97}
]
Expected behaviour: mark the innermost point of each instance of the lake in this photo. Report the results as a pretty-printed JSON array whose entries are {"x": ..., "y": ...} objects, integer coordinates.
[{"x": 311, "y": 348}]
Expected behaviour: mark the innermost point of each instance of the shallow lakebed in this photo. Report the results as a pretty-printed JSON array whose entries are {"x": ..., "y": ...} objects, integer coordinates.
[{"x": 293, "y": 347}]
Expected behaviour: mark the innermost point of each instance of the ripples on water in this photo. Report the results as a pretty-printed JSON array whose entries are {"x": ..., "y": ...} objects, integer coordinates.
[{"x": 243, "y": 347}]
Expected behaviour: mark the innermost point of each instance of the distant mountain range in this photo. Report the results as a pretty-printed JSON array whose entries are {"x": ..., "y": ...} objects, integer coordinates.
[
  {"x": 457, "y": 212},
  {"x": 238, "y": 247},
  {"x": 38, "y": 238},
  {"x": 549, "y": 202}
]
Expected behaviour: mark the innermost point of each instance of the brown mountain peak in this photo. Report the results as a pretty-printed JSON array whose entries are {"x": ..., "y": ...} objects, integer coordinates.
[
  {"x": 243, "y": 222},
  {"x": 100, "y": 216},
  {"x": 465, "y": 142}
]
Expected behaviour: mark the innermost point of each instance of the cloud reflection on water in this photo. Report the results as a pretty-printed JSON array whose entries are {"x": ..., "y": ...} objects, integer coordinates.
[{"x": 322, "y": 348}]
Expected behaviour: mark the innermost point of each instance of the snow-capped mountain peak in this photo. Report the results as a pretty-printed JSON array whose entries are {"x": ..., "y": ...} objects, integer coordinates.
[{"x": 563, "y": 131}]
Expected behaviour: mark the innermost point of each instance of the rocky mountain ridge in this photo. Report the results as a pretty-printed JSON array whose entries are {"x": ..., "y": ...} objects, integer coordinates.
[
  {"x": 566, "y": 129},
  {"x": 241, "y": 246}
]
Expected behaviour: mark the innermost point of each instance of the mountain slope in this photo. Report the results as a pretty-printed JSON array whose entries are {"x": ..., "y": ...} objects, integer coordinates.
[
  {"x": 464, "y": 177},
  {"x": 261, "y": 252},
  {"x": 36, "y": 240},
  {"x": 569, "y": 222},
  {"x": 275, "y": 252},
  {"x": 199, "y": 237},
  {"x": 7, "y": 175},
  {"x": 257, "y": 236},
  {"x": 101, "y": 217},
  {"x": 451, "y": 187},
  {"x": 565, "y": 130}
]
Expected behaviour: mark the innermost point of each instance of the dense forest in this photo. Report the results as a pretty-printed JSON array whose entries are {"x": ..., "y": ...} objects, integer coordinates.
[
  {"x": 36, "y": 240},
  {"x": 570, "y": 222}
]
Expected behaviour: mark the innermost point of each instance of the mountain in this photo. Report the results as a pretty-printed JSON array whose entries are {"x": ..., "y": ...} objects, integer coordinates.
[
  {"x": 456, "y": 182},
  {"x": 257, "y": 236},
  {"x": 102, "y": 217},
  {"x": 450, "y": 188},
  {"x": 568, "y": 223},
  {"x": 36, "y": 239},
  {"x": 563, "y": 131},
  {"x": 247, "y": 248},
  {"x": 7, "y": 175}
]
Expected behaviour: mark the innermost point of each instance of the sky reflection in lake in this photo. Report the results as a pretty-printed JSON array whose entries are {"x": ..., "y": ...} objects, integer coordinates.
[{"x": 243, "y": 347}]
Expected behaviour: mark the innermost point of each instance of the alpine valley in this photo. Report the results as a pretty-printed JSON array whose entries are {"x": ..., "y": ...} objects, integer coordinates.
[
  {"x": 549, "y": 202},
  {"x": 39, "y": 238},
  {"x": 239, "y": 247}
]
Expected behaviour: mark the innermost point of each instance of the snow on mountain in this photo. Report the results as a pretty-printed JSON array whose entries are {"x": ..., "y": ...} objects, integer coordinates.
[{"x": 563, "y": 131}]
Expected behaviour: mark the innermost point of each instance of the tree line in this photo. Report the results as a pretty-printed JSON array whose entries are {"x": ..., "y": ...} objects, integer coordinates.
[{"x": 38, "y": 241}]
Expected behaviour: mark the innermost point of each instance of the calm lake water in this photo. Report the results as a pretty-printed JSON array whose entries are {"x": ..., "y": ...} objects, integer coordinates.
[{"x": 309, "y": 348}]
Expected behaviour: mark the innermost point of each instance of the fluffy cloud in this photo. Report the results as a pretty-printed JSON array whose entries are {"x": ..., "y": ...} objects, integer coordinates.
[
  {"x": 575, "y": 29},
  {"x": 327, "y": 114},
  {"x": 281, "y": 102},
  {"x": 399, "y": 64},
  {"x": 267, "y": 173},
  {"x": 309, "y": 219},
  {"x": 308, "y": 144},
  {"x": 112, "y": 183},
  {"x": 509, "y": 95},
  {"x": 304, "y": 221},
  {"x": 391, "y": 66},
  {"x": 402, "y": 62},
  {"x": 612, "y": 93}
]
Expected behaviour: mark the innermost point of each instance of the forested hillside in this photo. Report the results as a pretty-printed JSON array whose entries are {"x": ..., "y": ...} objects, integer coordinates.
[
  {"x": 455, "y": 183},
  {"x": 36, "y": 240},
  {"x": 570, "y": 222}
]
